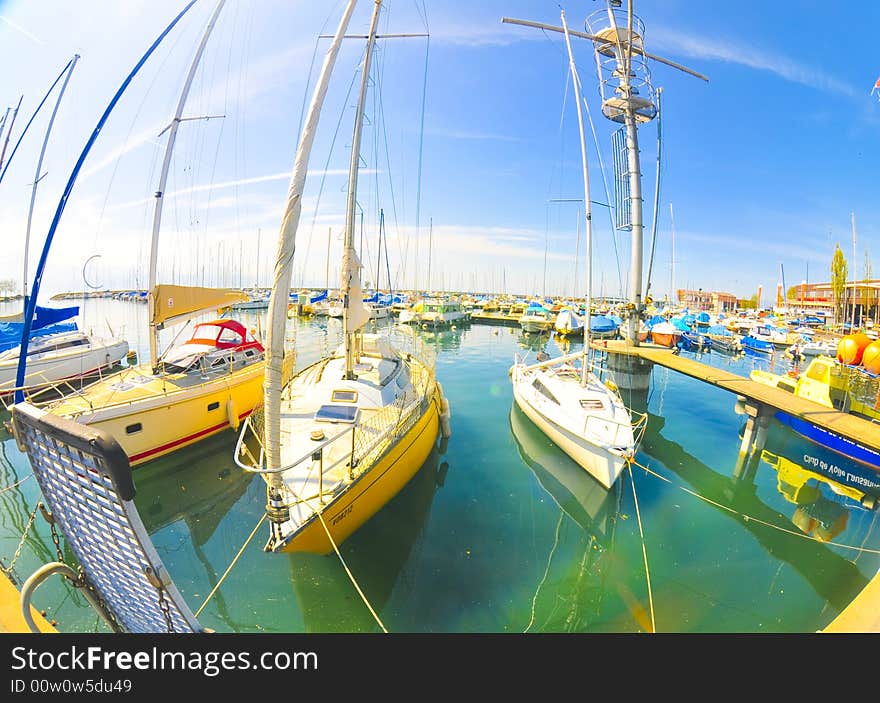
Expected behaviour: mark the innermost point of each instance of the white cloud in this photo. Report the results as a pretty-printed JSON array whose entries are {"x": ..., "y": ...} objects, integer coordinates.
[{"x": 745, "y": 55}]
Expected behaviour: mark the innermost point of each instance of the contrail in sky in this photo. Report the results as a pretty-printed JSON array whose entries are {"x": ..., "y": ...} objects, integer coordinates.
[{"x": 22, "y": 30}]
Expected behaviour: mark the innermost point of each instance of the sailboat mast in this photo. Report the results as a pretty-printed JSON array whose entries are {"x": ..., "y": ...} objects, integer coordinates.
[
  {"x": 37, "y": 177},
  {"x": 353, "y": 176},
  {"x": 576, "y": 87},
  {"x": 278, "y": 300},
  {"x": 9, "y": 133},
  {"x": 59, "y": 211},
  {"x": 166, "y": 163},
  {"x": 855, "y": 263},
  {"x": 327, "y": 272},
  {"x": 672, "y": 296},
  {"x": 430, "y": 250}
]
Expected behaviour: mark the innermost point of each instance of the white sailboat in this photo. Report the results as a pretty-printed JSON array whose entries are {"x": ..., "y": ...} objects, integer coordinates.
[
  {"x": 580, "y": 413},
  {"x": 61, "y": 358},
  {"x": 345, "y": 434}
]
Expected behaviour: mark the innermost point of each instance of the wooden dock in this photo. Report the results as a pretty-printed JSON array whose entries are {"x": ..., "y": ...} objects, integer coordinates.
[
  {"x": 849, "y": 426},
  {"x": 863, "y": 613}
]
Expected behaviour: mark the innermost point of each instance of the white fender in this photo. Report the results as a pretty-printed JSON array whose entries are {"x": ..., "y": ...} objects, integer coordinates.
[{"x": 232, "y": 415}]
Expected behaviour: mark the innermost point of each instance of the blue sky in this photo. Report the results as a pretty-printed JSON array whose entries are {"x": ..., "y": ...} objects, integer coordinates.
[{"x": 763, "y": 165}]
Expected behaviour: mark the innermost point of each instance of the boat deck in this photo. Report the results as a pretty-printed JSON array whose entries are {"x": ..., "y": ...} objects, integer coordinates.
[{"x": 11, "y": 620}]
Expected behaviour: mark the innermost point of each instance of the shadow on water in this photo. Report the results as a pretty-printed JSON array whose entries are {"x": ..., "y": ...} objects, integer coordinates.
[
  {"x": 836, "y": 579},
  {"x": 376, "y": 555}
]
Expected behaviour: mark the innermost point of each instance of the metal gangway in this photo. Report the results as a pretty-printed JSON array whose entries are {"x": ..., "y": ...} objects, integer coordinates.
[{"x": 87, "y": 485}]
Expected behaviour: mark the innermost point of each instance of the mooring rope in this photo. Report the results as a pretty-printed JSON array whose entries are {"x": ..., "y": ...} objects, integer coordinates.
[
  {"x": 644, "y": 548},
  {"x": 546, "y": 570},
  {"x": 17, "y": 483},
  {"x": 320, "y": 514},
  {"x": 229, "y": 568},
  {"x": 749, "y": 518}
]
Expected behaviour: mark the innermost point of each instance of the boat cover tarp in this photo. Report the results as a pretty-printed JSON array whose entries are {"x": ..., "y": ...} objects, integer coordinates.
[{"x": 46, "y": 321}]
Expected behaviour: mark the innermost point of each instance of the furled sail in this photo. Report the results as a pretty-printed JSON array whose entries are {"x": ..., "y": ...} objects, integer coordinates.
[
  {"x": 356, "y": 314},
  {"x": 172, "y": 302}
]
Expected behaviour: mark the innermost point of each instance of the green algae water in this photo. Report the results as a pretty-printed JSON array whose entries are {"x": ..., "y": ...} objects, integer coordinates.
[{"x": 500, "y": 531}]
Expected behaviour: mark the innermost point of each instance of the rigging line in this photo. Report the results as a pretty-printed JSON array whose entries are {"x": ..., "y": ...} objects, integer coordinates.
[
  {"x": 14, "y": 485},
  {"x": 131, "y": 125},
  {"x": 35, "y": 288},
  {"x": 749, "y": 518},
  {"x": 24, "y": 131},
  {"x": 607, "y": 193},
  {"x": 419, "y": 172},
  {"x": 644, "y": 548},
  {"x": 320, "y": 514},
  {"x": 390, "y": 179},
  {"x": 333, "y": 13},
  {"x": 326, "y": 166},
  {"x": 231, "y": 565},
  {"x": 546, "y": 569}
]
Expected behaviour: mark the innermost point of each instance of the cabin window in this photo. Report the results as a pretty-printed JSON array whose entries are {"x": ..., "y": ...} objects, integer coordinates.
[
  {"x": 213, "y": 406},
  {"x": 218, "y": 362},
  {"x": 228, "y": 336},
  {"x": 344, "y": 396},
  {"x": 592, "y": 403},
  {"x": 133, "y": 429},
  {"x": 336, "y": 413},
  {"x": 249, "y": 352},
  {"x": 543, "y": 390}
]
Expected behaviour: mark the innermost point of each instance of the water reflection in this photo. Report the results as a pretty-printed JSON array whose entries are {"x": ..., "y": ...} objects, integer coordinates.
[
  {"x": 835, "y": 578},
  {"x": 595, "y": 511},
  {"x": 197, "y": 488},
  {"x": 376, "y": 554}
]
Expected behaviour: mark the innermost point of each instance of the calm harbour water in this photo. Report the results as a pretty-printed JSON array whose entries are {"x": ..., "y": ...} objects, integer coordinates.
[{"x": 500, "y": 531}]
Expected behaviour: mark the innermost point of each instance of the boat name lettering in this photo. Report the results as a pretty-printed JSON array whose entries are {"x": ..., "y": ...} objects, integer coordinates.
[
  {"x": 861, "y": 480},
  {"x": 341, "y": 515},
  {"x": 825, "y": 466}
]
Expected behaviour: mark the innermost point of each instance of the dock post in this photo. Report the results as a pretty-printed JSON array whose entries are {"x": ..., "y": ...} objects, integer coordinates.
[
  {"x": 754, "y": 435},
  {"x": 630, "y": 372}
]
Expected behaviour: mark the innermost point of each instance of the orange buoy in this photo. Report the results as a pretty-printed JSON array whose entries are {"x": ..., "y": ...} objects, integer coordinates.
[
  {"x": 851, "y": 348},
  {"x": 871, "y": 357}
]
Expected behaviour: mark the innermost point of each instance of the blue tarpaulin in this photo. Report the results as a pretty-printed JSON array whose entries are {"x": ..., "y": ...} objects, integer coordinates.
[{"x": 46, "y": 321}]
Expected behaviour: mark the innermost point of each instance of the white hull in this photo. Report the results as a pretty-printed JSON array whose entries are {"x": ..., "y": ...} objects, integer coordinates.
[
  {"x": 52, "y": 366},
  {"x": 598, "y": 451}
]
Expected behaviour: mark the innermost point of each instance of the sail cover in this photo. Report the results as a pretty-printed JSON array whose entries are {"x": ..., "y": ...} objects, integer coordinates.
[
  {"x": 172, "y": 302},
  {"x": 356, "y": 314}
]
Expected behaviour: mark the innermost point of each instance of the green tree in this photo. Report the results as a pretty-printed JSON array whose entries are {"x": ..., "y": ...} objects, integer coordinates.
[
  {"x": 869, "y": 294},
  {"x": 750, "y": 304},
  {"x": 839, "y": 270},
  {"x": 7, "y": 285},
  {"x": 792, "y": 293}
]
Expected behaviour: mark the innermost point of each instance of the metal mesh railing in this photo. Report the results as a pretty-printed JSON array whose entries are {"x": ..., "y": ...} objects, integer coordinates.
[
  {"x": 861, "y": 386},
  {"x": 86, "y": 480},
  {"x": 376, "y": 433}
]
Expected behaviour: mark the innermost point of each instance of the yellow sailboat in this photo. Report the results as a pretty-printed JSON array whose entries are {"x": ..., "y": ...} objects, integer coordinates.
[
  {"x": 194, "y": 390},
  {"x": 348, "y": 432}
]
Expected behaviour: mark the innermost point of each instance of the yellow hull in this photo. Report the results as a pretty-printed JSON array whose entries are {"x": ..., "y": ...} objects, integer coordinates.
[
  {"x": 162, "y": 418},
  {"x": 372, "y": 490}
]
